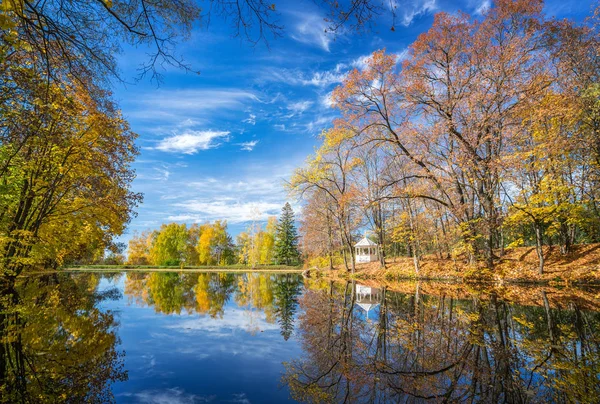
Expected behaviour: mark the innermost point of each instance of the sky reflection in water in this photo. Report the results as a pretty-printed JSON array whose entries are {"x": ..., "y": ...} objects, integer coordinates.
[{"x": 187, "y": 356}]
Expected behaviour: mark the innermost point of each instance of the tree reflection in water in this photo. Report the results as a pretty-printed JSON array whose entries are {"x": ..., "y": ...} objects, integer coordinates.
[
  {"x": 415, "y": 348},
  {"x": 56, "y": 345},
  {"x": 360, "y": 343},
  {"x": 208, "y": 293}
]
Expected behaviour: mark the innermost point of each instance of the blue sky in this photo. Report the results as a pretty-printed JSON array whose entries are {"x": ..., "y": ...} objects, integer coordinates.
[{"x": 220, "y": 144}]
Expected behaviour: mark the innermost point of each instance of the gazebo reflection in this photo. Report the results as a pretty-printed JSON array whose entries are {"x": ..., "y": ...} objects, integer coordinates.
[{"x": 367, "y": 298}]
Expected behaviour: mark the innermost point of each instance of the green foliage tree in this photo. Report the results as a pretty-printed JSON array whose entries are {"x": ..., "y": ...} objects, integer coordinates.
[
  {"x": 286, "y": 237},
  {"x": 170, "y": 245}
]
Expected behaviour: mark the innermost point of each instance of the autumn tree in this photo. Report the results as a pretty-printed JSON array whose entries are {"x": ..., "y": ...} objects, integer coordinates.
[
  {"x": 331, "y": 171},
  {"x": 139, "y": 248},
  {"x": 47, "y": 314},
  {"x": 82, "y": 35},
  {"x": 319, "y": 230},
  {"x": 65, "y": 172},
  {"x": 215, "y": 246},
  {"x": 441, "y": 144}
]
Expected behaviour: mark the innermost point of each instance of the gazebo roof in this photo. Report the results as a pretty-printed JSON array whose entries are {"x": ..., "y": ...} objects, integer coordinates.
[
  {"x": 365, "y": 242},
  {"x": 367, "y": 306}
]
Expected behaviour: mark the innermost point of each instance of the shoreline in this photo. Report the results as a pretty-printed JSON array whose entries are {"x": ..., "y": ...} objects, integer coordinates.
[
  {"x": 517, "y": 266},
  {"x": 191, "y": 270},
  {"x": 530, "y": 295},
  {"x": 341, "y": 274}
]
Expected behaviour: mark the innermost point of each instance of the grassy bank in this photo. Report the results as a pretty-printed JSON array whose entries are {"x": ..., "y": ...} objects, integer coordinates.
[
  {"x": 517, "y": 265},
  {"x": 150, "y": 268}
]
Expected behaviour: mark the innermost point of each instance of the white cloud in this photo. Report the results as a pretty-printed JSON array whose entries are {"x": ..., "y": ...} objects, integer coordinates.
[
  {"x": 361, "y": 62},
  {"x": 297, "y": 108},
  {"x": 319, "y": 124},
  {"x": 244, "y": 200},
  {"x": 199, "y": 100},
  {"x": 233, "y": 319},
  {"x": 323, "y": 79},
  {"x": 311, "y": 30},
  {"x": 408, "y": 12},
  {"x": 240, "y": 398},
  {"x": 248, "y": 146},
  {"x": 192, "y": 141},
  {"x": 483, "y": 7},
  {"x": 225, "y": 208},
  {"x": 327, "y": 100},
  {"x": 180, "y": 110},
  {"x": 251, "y": 119},
  {"x": 299, "y": 78},
  {"x": 164, "y": 173},
  {"x": 174, "y": 395},
  {"x": 402, "y": 55}
]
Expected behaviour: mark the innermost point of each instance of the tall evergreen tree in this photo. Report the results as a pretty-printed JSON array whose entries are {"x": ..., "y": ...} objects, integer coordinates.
[{"x": 286, "y": 237}]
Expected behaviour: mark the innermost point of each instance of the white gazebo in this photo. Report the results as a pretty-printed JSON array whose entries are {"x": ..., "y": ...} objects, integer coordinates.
[{"x": 366, "y": 251}]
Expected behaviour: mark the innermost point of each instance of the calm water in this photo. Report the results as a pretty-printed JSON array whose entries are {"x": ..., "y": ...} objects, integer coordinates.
[{"x": 253, "y": 338}]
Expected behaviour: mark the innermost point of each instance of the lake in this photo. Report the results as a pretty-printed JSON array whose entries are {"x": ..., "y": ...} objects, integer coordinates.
[{"x": 274, "y": 337}]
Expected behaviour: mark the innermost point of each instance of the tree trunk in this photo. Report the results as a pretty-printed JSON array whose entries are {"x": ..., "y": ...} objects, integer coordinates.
[
  {"x": 345, "y": 259},
  {"x": 415, "y": 240},
  {"x": 501, "y": 241},
  {"x": 330, "y": 240},
  {"x": 416, "y": 262},
  {"x": 539, "y": 243}
]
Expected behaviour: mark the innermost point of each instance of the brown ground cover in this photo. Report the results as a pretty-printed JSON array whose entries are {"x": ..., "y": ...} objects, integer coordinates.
[{"x": 517, "y": 265}]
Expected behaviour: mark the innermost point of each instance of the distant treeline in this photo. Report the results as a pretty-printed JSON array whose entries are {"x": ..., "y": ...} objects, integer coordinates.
[{"x": 211, "y": 244}]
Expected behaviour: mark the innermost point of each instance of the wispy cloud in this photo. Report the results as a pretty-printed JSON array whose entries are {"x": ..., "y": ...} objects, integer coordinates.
[
  {"x": 299, "y": 78},
  {"x": 327, "y": 100},
  {"x": 361, "y": 62},
  {"x": 233, "y": 319},
  {"x": 311, "y": 29},
  {"x": 297, "y": 108},
  {"x": 481, "y": 7},
  {"x": 407, "y": 12},
  {"x": 237, "y": 201},
  {"x": 173, "y": 395},
  {"x": 163, "y": 173},
  {"x": 240, "y": 398},
  {"x": 192, "y": 141},
  {"x": 323, "y": 79},
  {"x": 318, "y": 124},
  {"x": 248, "y": 146},
  {"x": 251, "y": 119},
  {"x": 162, "y": 110},
  {"x": 225, "y": 208},
  {"x": 199, "y": 99}
]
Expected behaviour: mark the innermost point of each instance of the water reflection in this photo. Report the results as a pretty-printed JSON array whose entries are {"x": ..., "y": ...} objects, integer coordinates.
[
  {"x": 366, "y": 344},
  {"x": 56, "y": 345},
  {"x": 207, "y": 294},
  {"x": 221, "y": 337}
]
